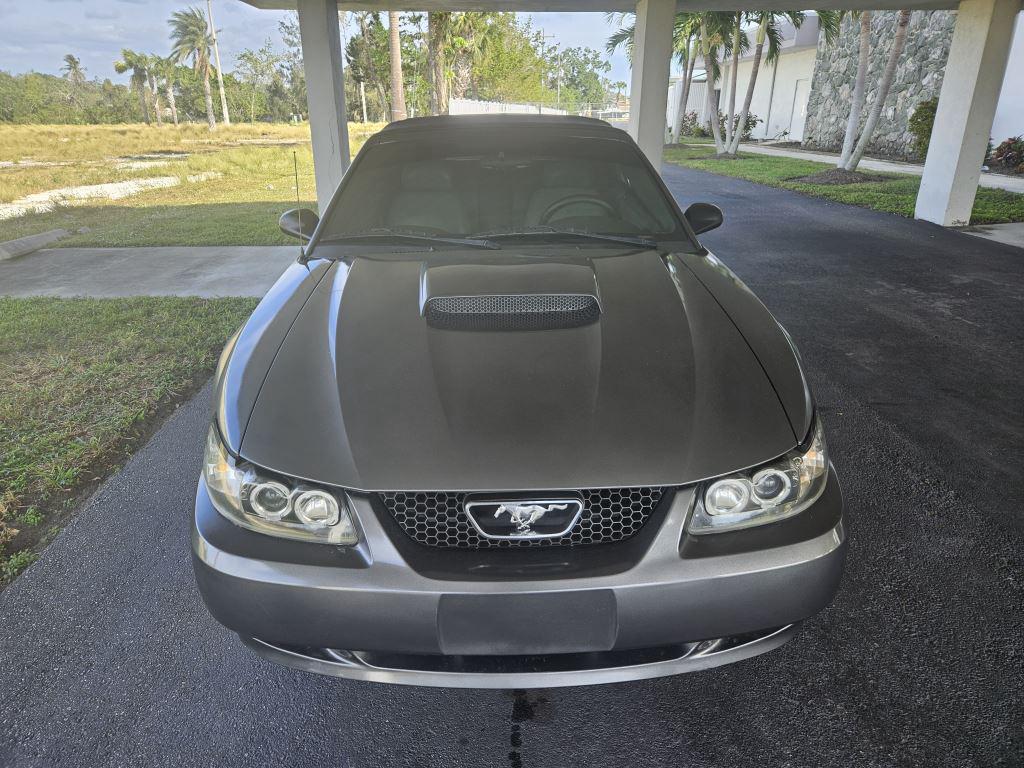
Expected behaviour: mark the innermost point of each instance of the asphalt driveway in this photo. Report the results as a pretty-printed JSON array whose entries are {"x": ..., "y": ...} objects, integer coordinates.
[{"x": 912, "y": 336}]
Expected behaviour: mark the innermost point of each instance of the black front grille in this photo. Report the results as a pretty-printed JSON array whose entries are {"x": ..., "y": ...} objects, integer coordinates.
[
  {"x": 527, "y": 312},
  {"x": 438, "y": 519}
]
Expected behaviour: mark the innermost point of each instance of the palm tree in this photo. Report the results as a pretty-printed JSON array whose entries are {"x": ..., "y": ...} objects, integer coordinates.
[
  {"x": 685, "y": 28},
  {"x": 712, "y": 31},
  {"x": 220, "y": 72},
  {"x": 167, "y": 71},
  {"x": 191, "y": 38},
  {"x": 686, "y": 53},
  {"x": 739, "y": 42},
  {"x": 152, "y": 63},
  {"x": 370, "y": 28},
  {"x": 768, "y": 30},
  {"x": 138, "y": 65},
  {"x": 470, "y": 37},
  {"x": 899, "y": 40},
  {"x": 397, "y": 85},
  {"x": 859, "y": 84},
  {"x": 438, "y": 32},
  {"x": 73, "y": 71},
  {"x": 75, "y": 75},
  {"x": 716, "y": 28},
  {"x": 623, "y": 36}
]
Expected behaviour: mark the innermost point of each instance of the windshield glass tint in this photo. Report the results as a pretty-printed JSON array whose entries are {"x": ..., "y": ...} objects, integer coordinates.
[{"x": 473, "y": 183}]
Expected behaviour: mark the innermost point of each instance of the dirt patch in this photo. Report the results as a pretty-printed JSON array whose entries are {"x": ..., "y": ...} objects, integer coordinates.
[
  {"x": 838, "y": 176},
  {"x": 44, "y": 202}
]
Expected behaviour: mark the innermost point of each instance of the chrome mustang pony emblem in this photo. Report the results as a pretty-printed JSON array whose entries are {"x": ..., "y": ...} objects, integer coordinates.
[
  {"x": 523, "y": 518},
  {"x": 525, "y": 515}
]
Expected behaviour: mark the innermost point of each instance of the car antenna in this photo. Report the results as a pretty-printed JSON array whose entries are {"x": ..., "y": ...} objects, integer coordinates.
[{"x": 298, "y": 204}]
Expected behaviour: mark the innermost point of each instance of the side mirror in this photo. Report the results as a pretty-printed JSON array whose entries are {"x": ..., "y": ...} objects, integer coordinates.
[
  {"x": 703, "y": 217},
  {"x": 298, "y": 222}
]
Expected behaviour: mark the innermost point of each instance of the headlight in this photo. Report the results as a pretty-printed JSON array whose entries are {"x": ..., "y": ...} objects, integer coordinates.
[
  {"x": 765, "y": 494},
  {"x": 274, "y": 505}
]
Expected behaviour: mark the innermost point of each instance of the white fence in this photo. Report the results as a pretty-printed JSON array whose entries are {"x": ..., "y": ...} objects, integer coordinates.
[
  {"x": 473, "y": 107},
  {"x": 696, "y": 101}
]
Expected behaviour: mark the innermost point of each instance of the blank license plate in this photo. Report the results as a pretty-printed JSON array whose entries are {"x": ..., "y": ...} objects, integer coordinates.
[{"x": 527, "y": 624}]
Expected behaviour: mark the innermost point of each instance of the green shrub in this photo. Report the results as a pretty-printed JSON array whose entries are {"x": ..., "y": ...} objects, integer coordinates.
[
  {"x": 748, "y": 126},
  {"x": 921, "y": 123},
  {"x": 690, "y": 126},
  {"x": 15, "y": 564}
]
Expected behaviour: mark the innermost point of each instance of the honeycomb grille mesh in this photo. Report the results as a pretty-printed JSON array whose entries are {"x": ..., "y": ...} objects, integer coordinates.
[
  {"x": 512, "y": 312},
  {"x": 438, "y": 519}
]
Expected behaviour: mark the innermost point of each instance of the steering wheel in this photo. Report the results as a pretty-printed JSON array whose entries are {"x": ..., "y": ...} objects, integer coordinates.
[{"x": 565, "y": 202}]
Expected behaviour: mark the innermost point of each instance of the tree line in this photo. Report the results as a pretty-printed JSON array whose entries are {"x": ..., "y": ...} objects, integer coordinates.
[{"x": 413, "y": 66}]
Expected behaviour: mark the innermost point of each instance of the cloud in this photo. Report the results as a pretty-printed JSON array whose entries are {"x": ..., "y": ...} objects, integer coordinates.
[
  {"x": 37, "y": 37},
  {"x": 100, "y": 15}
]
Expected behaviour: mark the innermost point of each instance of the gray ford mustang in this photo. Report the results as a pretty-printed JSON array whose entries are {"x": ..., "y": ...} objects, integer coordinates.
[{"x": 506, "y": 423}]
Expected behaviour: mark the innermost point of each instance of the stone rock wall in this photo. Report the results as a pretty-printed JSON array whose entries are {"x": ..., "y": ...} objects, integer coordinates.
[{"x": 918, "y": 78}]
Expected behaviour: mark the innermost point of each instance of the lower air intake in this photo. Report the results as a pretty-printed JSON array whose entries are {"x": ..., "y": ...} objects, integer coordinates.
[{"x": 529, "y": 312}]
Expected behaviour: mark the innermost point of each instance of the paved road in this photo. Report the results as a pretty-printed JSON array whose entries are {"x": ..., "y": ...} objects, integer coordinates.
[
  {"x": 912, "y": 337},
  {"x": 222, "y": 270}
]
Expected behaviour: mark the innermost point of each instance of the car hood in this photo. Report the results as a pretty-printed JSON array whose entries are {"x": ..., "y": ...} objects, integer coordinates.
[{"x": 658, "y": 387}]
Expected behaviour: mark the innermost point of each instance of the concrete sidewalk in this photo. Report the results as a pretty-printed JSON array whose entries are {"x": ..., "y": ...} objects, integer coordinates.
[
  {"x": 990, "y": 180},
  {"x": 157, "y": 271}
]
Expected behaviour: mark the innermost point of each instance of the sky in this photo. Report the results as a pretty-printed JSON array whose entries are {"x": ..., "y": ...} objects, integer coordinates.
[{"x": 36, "y": 35}]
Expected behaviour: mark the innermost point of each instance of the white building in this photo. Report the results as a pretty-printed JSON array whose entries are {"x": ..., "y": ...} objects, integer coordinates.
[
  {"x": 1009, "y": 119},
  {"x": 783, "y": 89},
  {"x": 780, "y": 93}
]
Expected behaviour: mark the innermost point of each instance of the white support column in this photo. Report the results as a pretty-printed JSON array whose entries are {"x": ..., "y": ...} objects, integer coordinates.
[
  {"x": 325, "y": 93},
  {"x": 652, "y": 60},
  {"x": 967, "y": 105}
]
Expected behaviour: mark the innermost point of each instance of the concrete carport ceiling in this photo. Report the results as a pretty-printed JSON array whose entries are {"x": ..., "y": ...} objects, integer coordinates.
[{"x": 583, "y": 6}]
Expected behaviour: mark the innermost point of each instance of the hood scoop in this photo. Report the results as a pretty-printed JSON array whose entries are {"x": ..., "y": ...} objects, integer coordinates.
[
  {"x": 529, "y": 312},
  {"x": 509, "y": 297}
]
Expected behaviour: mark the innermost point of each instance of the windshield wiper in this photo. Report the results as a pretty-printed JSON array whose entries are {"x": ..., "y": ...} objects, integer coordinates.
[
  {"x": 640, "y": 242},
  {"x": 391, "y": 234}
]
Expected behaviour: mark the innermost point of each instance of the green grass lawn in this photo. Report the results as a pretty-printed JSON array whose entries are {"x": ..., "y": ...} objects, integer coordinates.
[
  {"x": 81, "y": 382},
  {"x": 897, "y": 194},
  {"x": 696, "y": 140},
  {"x": 253, "y": 182},
  {"x": 240, "y": 206}
]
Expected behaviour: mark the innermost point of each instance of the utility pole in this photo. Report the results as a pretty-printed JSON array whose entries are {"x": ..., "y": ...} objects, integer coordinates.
[
  {"x": 558, "y": 67},
  {"x": 558, "y": 76},
  {"x": 216, "y": 58}
]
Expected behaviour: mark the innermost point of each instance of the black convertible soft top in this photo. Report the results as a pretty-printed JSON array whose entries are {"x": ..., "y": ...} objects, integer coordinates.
[{"x": 442, "y": 122}]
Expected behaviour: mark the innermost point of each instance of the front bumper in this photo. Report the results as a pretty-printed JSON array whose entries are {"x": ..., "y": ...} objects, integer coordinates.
[{"x": 687, "y": 603}]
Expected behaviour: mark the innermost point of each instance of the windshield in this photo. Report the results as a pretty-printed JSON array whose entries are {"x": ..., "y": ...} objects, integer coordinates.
[{"x": 502, "y": 183}]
